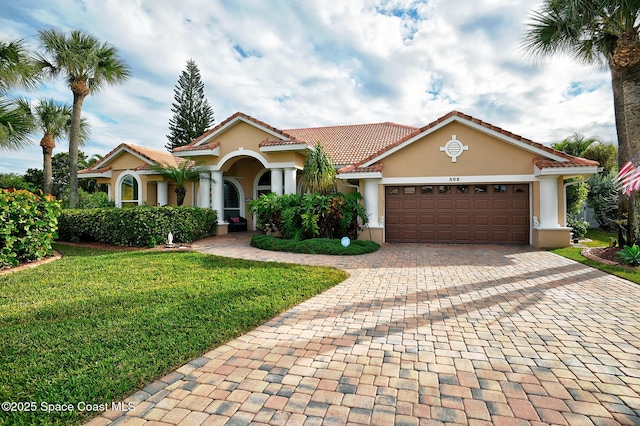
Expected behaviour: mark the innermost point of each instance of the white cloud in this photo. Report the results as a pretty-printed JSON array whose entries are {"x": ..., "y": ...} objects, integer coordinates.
[{"x": 299, "y": 64}]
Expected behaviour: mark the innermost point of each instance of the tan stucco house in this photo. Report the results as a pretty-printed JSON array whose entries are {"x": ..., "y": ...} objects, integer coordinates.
[{"x": 455, "y": 180}]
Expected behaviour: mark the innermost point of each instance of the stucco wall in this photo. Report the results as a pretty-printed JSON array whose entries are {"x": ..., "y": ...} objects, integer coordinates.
[{"x": 486, "y": 156}]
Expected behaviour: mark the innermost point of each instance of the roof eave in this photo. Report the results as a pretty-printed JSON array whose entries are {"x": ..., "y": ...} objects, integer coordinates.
[
  {"x": 95, "y": 175},
  {"x": 565, "y": 171},
  {"x": 286, "y": 148},
  {"x": 198, "y": 152},
  {"x": 360, "y": 175}
]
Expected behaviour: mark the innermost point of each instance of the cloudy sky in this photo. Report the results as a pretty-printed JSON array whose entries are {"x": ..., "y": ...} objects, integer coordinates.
[{"x": 305, "y": 63}]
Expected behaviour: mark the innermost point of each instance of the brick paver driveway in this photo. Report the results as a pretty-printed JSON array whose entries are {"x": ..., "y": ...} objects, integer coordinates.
[{"x": 422, "y": 334}]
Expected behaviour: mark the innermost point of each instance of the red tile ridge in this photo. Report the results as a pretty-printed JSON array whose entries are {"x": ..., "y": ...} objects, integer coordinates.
[
  {"x": 233, "y": 117},
  {"x": 209, "y": 145}
]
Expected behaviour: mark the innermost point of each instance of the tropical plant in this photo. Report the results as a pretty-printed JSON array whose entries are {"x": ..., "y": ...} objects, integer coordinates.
[
  {"x": 319, "y": 174},
  {"x": 54, "y": 121},
  {"x": 87, "y": 65},
  {"x": 300, "y": 217},
  {"x": 17, "y": 69},
  {"x": 186, "y": 171},
  {"x": 630, "y": 255},
  {"x": 596, "y": 32},
  {"x": 17, "y": 66},
  {"x": 192, "y": 114},
  {"x": 603, "y": 199},
  {"x": 575, "y": 144},
  {"x": 15, "y": 181},
  {"x": 604, "y": 153}
]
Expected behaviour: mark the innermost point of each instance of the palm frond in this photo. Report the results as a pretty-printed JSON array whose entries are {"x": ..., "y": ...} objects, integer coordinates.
[{"x": 16, "y": 123}]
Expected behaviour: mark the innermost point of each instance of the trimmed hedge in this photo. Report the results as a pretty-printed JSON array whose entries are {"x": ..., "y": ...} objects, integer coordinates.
[
  {"x": 314, "y": 245},
  {"x": 138, "y": 226},
  {"x": 28, "y": 224}
]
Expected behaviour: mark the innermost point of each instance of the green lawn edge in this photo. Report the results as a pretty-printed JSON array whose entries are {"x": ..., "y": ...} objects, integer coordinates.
[
  {"x": 314, "y": 246},
  {"x": 598, "y": 238},
  {"x": 98, "y": 325}
]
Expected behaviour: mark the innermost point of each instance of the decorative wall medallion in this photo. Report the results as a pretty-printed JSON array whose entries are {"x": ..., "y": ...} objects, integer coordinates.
[{"x": 454, "y": 148}]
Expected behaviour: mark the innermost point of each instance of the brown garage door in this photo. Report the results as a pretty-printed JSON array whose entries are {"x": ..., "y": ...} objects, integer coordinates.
[{"x": 488, "y": 214}]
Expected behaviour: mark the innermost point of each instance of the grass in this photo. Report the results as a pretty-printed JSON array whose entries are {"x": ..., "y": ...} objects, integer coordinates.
[
  {"x": 97, "y": 325},
  {"x": 314, "y": 245},
  {"x": 599, "y": 239}
]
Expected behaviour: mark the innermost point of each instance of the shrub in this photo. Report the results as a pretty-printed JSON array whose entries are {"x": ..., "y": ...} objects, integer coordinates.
[
  {"x": 28, "y": 226},
  {"x": 579, "y": 226},
  {"x": 138, "y": 226},
  {"x": 94, "y": 201},
  {"x": 603, "y": 199},
  {"x": 630, "y": 255},
  {"x": 301, "y": 217},
  {"x": 313, "y": 246}
]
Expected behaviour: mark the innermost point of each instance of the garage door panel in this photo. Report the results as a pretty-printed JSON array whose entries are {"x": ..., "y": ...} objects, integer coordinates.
[
  {"x": 520, "y": 220},
  {"x": 409, "y": 204},
  {"x": 501, "y": 219},
  {"x": 427, "y": 219},
  {"x": 427, "y": 204},
  {"x": 410, "y": 219},
  {"x": 498, "y": 204},
  {"x": 445, "y": 204},
  {"x": 463, "y": 219},
  {"x": 481, "y": 204},
  {"x": 454, "y": 216},
  {"x": 481, "y": 219},
  {"x": 393, "y": 219},
  {"x": 522, "y": 204},
  {"x": 445, "y": 219}
]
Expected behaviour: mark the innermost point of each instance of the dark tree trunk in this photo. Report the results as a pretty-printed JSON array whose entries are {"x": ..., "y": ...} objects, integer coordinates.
[
  {"x": 47, "y": 143},
  {"x": 625, "y": 71},
  {"x": 80, "y": 91},
  {"x": 181, "y": 192}
]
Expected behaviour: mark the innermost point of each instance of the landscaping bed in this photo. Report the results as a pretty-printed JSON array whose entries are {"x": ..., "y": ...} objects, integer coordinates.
[{"x": 314, "y": 245}]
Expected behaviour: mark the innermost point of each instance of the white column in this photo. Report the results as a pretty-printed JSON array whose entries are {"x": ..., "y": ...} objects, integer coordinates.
[
  {"x": 549, "y": 202},
  {"x": 371, "y": 201},
  {"x": 217, "y": 182},
  {"x": 110, "y": 192},
  {"x": 204, "y": 191},
  {"x": 276, "y": 181},
  {"x": 290, "y": 180},
  {"x": 163, "y": 193}
]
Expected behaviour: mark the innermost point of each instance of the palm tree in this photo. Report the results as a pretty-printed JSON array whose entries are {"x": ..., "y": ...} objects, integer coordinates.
[
  {"x": 186, "y": 171},
  {"x": 54, "y": 121},
  {"x": 596, "y": 32},
  {"x": 576, "y": 144},
  {"x": 319, "y": 174},
  {"x": 87, "y": 65},
  {"x": 16, "y": 70}
]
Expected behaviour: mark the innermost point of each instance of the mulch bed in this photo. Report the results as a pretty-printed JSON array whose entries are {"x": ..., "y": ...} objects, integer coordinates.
[{"x": 606, "y": 255}]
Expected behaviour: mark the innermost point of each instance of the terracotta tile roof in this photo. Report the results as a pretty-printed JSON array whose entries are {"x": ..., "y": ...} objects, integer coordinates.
[
  {"x": 573, "y": 161},
  {"x": 208, "y": 145},
  {"x": 349, "y": 144},
  {"x": 376, "y": 168},
  {"x": 231, "y": 118},
  {"x": 90, "y": 170},
  {"x": 152, "y": 155}
]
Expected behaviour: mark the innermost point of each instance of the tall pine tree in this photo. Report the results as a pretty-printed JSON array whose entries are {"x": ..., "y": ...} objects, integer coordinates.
[{"x": 192, "y": 114}]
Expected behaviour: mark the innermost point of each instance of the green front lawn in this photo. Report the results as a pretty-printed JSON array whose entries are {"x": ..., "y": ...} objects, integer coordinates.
[
  {"x": 97, "y": 325},
  {"x": 599, "y": 238}
]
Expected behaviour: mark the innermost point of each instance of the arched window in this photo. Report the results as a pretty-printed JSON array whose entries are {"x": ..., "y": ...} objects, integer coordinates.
[
  {"x": 264, "y": 183},
  {"x": 231, "y": 200},
  {"x": 128, "y": 191}
]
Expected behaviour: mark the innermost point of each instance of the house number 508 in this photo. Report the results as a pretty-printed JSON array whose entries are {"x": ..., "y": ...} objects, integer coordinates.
[{"x": 454, "y": 179}]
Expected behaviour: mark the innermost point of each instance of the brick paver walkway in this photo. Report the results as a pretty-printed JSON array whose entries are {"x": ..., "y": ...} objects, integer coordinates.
[{"x": 421, "y": 335}]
